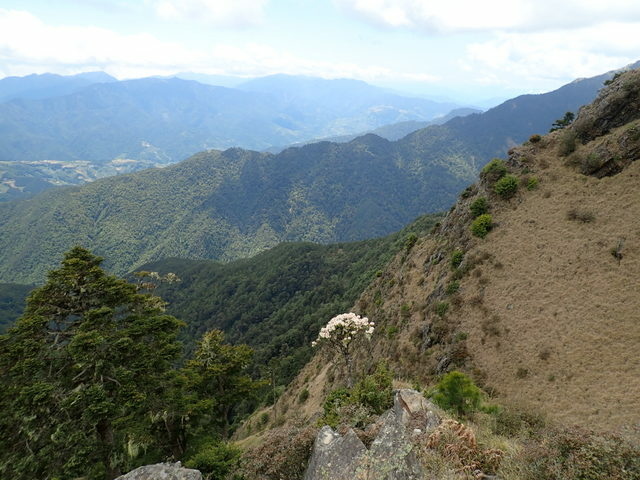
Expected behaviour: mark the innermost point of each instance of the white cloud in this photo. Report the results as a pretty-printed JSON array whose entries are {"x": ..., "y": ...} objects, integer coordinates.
[
  {"x": 28, "y": 45},
  {"x": 548, "y": 56},
  {"x": 233, "y": 13},
  {"x": 447, "y": 16}
]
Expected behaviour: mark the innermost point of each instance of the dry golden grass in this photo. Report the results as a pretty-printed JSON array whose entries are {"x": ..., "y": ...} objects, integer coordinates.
[
  {"x": 570, "y": 310},
  {"x": 549, "y": 312}
]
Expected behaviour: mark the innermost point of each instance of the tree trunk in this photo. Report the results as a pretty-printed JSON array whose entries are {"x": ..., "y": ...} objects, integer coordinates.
[
  {"x": 347, "y": 360},
  {"x": 104, "y": 431}
]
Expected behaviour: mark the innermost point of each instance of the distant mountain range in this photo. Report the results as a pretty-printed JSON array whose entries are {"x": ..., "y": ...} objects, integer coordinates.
[
  {"x": 39, "y": 86},
  {"x": 394, "y": 131},
  {"x": 66, "y": 130},
  {"x": 166, "y": 120}
]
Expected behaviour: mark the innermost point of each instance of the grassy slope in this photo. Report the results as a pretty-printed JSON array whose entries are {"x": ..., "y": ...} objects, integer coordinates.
[{"x": 545, "y": 315}]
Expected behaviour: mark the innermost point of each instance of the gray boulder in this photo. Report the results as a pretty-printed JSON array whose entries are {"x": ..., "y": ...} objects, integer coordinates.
[
  {"x": 162, "y": 471},
  {"x": 391, "y": 456},
  {"x": 336, "y": 457}
]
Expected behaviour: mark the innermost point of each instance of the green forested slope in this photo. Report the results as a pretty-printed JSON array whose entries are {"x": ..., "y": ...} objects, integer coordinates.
[
  {"x": 226, "y": 205},
  {"x": 277, "y": 301}
]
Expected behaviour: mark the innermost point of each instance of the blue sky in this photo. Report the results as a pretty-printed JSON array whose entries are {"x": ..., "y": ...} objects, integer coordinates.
[{"x": 468, "y": 50}]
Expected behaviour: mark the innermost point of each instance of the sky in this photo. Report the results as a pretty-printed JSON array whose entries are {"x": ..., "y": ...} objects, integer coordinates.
[{"x": 465, "y": 50}]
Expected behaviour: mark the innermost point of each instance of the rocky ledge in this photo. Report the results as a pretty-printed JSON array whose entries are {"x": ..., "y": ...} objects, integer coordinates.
[{"x": 391, "y": 455}]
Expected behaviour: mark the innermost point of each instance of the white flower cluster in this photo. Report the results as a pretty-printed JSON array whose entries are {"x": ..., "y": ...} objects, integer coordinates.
[{"x": 344, "y": 327}]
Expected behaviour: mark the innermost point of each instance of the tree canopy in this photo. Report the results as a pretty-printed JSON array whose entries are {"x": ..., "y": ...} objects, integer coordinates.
[{"x": 83, "y": 374}]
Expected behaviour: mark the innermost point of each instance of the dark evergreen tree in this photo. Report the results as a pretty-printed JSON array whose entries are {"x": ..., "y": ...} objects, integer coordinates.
[
  {"x": 563, "y": 122},
  {"x": 83, "y": 374}
]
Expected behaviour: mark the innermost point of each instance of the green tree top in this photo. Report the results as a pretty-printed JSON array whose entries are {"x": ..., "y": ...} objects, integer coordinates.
[
  {"x": 83, "y": 375},
  {"x": 563, "y": 122}
]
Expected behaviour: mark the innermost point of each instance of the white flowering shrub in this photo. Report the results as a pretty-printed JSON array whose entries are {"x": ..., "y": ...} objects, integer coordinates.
[{"x": 340, "y": 333}]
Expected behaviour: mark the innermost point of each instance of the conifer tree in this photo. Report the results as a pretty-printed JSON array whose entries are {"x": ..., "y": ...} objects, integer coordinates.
[{"x": 82, "y": 375}]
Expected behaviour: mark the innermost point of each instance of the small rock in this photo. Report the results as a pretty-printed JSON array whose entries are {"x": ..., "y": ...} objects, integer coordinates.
[{"x": 162, "y": 471}]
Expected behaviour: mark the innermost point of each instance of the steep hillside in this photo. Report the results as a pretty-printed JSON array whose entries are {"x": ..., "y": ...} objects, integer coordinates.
[{"x": 543, "y": 310}]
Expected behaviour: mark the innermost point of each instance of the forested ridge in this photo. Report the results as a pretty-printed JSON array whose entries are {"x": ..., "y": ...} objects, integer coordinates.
[{"x": 228, "y": 205}]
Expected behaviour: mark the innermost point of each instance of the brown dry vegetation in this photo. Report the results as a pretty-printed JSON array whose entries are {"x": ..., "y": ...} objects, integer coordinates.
[{"x": 547, "y": 313}]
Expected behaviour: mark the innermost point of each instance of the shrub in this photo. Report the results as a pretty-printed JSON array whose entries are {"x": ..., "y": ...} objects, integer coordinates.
[
  {"x": 354, "y": 407},
  {"x": 507, "y": 186},
  {"x": 304, "y": 396},
  {"x": 479, "y": 206},
  {"x": 441, "y": 308},
  {"x": 457, "y": 392},
  {"x": 456, "y": 258},
  {"x": 284, "y": 453},
  {"x": 567, "y": 143},
  {"x": 336, "y": 399},
  {"x": 216, "y": 460},
  {"x": 453, "y": 287},
  {"x": 494, "y": 170},
  {"x": 375, "y": 391},
  {"x": 467, "y": 192},
  {"x": 481, "y": 225},
  {"x": 581, "y": 215},
  {"x": 510, "y": 421},
  {"x": 578, "y": 454},
  {"x": 263, "y": 419},
  {"x": 410, "y": 241},
  {"x": 457, "y": 443},
  {"x": 535, "y": 138},
  {"x": 590, "y": 164},
  {"x": 532, "y": 183}
]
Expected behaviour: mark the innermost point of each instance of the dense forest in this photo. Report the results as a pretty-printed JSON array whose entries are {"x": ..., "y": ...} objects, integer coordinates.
[
  {"x": 277, "y": 301},
  {"x": 93, "y": 381}
]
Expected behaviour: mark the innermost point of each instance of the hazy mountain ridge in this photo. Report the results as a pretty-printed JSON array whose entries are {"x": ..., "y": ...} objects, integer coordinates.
[
  {"x": 394, "y": 131},
  {"x": 166, "y": 120},
  {"x": 39, "y": 86}
]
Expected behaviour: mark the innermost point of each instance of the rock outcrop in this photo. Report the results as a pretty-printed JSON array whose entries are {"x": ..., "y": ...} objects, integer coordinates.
[
  {"x": 617, "y": 105},
  {"x": 391, "y": 456},
  {"x": 162, "y": 471}
]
